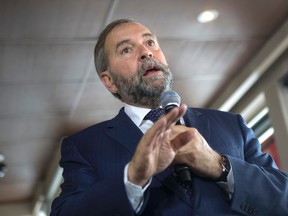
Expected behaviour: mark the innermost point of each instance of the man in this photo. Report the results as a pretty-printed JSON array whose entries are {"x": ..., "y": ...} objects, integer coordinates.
[{"x": 126, "y": 165}]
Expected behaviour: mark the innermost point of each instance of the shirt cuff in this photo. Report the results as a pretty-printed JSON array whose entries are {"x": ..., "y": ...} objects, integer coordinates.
[
  {"x": 134, "y": 192},
  {"x": 229, "y": 185}
]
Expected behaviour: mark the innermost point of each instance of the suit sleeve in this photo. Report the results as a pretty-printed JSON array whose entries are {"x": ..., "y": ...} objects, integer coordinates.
[
  {"x": 85, "y": 193},
  {"x": 260, "y": 187}
]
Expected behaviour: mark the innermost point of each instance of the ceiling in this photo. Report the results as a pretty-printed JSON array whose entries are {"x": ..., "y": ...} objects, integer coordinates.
[{"x": 49, "y": 87}]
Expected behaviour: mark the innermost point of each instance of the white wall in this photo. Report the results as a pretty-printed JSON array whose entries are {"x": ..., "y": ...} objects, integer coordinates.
[{"x": 16, "y": 209}]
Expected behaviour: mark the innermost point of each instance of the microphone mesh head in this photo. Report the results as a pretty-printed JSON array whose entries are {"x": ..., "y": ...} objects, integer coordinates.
[{"x": 170, "y": 98}]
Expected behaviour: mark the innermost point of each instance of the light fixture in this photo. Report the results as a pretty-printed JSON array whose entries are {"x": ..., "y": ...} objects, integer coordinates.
[
  {"x": 3, "y": 170},
  {"x": 3, "y": 167},
  {"x": 207, "y": 16}
]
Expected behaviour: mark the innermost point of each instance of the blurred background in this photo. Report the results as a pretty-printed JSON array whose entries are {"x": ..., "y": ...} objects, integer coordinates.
[{"x": 49, "y": 88}]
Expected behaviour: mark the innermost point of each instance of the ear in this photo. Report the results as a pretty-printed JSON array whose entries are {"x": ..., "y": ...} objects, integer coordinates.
[{"x": 108, "y": 81}]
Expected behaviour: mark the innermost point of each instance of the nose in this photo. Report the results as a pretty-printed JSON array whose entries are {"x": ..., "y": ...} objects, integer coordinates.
[{"x": 145, "y": 53}]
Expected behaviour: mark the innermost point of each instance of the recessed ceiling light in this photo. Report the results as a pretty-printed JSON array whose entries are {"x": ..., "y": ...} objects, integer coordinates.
[{"x": 207, "y": 16}]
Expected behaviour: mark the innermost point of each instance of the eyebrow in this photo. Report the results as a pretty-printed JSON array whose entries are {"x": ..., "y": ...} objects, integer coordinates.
[{"x": 120, "y": 43}]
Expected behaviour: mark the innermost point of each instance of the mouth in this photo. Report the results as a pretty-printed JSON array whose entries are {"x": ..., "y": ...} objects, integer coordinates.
[{"x": 153, "y": 70}]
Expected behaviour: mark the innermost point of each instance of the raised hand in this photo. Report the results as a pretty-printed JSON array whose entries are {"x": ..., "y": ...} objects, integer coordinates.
[
  {"x": 197, "y": 154},
  {"x": 156, "y": 150}
]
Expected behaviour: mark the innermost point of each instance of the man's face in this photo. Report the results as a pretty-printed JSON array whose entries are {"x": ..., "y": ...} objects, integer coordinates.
[{"x": 137, "y": 66}]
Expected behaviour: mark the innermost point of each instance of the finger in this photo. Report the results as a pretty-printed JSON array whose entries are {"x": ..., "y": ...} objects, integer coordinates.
[
  {"x": 182, "y": 109},
  {"x": 152, "y": 135},
  {"x": 174, "y": 115},
  {"x": 182, "y": 139},
  {"x": 164, "y": 124}
]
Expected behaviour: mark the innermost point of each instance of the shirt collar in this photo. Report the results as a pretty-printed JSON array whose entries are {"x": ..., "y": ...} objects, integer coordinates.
[{"x": 136, "y": 113}]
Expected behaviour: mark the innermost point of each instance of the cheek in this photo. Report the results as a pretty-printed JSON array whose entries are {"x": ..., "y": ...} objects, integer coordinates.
[
  {"x": 125, "y": 68},
  {"x": 160, "y": 56}
]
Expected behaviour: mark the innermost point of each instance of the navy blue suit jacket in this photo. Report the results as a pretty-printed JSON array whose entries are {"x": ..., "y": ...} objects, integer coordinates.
[{"x": 94, "y": 161}]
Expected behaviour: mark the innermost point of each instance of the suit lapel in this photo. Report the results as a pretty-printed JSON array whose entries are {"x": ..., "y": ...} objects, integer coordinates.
[
  {"x": 196, "y": 119},
  {"x": 123, "y": 130},
  {"x": 167, "y": 178}
]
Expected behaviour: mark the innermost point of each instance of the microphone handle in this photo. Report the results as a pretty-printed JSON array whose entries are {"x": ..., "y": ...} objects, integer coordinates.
[
  {"x": 183, "y": 173},
  {"x": 182, "y": 170}
]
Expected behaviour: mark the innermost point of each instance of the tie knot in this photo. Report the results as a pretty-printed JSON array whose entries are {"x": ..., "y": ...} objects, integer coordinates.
[{"x": 154, "y": 114}]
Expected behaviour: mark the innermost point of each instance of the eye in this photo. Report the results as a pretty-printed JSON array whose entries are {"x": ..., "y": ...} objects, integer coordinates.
[
  {"x": 150, "y": 43},
  {"x": 126, "y": 50}
]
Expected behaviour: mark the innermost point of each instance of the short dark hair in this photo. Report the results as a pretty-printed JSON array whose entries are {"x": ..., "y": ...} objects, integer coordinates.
[{"x": 100, "y": 57}]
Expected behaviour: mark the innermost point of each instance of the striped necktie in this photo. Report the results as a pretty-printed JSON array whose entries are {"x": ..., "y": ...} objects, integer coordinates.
[{"x": 154, "y": 114}]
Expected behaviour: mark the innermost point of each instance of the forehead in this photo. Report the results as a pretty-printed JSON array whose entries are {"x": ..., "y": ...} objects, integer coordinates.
[{"x": 125, "y": 31}]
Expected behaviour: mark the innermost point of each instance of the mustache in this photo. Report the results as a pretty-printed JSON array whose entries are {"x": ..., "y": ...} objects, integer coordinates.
[{"x": 152, "y": 63}]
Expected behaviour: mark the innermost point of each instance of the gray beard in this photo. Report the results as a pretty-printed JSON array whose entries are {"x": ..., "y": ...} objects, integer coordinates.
[{"x": 143, "y": 92}]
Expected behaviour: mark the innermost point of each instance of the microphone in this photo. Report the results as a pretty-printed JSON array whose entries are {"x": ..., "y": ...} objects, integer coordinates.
[{"x": 168, "y": 101}]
